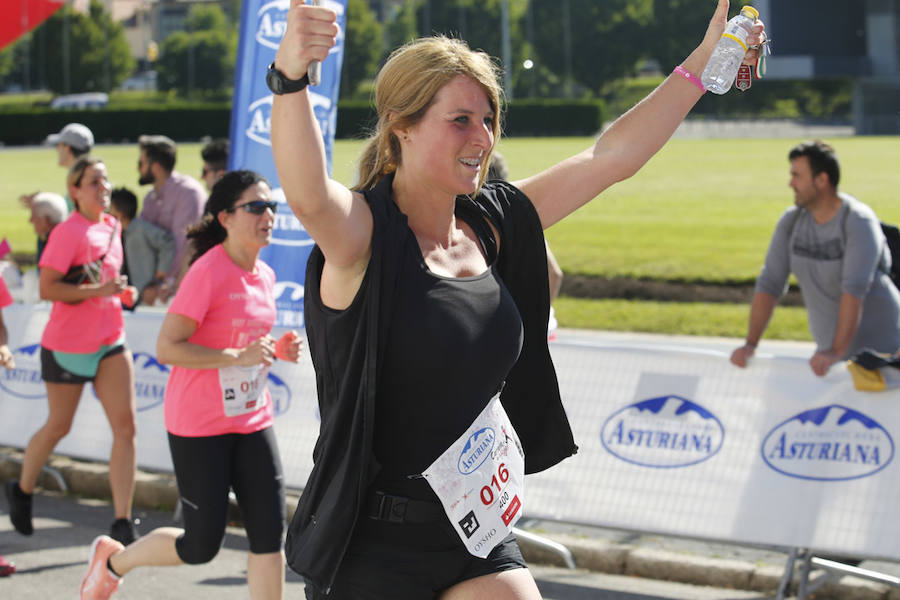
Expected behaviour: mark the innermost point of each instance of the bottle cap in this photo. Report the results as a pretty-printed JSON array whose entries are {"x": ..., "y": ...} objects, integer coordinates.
[{"x": 750, "y": 12}]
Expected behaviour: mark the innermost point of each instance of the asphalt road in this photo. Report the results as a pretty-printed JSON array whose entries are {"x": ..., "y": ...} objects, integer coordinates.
[{"x": 50, "y": 565}]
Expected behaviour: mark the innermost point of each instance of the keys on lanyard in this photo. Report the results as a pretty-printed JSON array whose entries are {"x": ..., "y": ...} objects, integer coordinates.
[{"x": 745, "y": 76}]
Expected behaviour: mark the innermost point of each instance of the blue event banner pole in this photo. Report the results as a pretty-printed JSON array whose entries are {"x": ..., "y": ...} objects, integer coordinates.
[{"x": 262, "y": 26}]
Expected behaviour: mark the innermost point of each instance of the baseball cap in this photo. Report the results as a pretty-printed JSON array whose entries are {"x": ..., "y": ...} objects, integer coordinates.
[{"x": 74, "y": 134}]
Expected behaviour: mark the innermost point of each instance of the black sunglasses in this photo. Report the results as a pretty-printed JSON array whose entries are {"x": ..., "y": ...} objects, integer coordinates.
[{"x": 255, "y": 207}]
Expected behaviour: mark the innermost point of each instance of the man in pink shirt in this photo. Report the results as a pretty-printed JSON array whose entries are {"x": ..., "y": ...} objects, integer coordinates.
[{"x": 175, "y": 202}]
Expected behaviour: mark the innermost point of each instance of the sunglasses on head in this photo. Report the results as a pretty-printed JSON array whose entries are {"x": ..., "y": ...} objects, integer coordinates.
[{"x": 255, "y": 207}]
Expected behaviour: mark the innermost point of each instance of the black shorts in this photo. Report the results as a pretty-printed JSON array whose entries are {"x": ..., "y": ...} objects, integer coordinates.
[
  {"x": 205, "y": 467},
  {"x": 405, "y": 561},
  {"x": 53, "y": 372}
]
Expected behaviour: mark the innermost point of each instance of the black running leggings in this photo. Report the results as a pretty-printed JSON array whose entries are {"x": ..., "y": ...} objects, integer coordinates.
[{"x": 205, "y": 468}]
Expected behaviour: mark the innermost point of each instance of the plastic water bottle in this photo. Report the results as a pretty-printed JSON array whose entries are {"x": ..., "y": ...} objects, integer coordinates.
[{"x": 726, "y": 59}]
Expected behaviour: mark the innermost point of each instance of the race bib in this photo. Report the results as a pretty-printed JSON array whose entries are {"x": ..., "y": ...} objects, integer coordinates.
[
  {"x": 243, "y": 389},
  {"x": 480, "y": 480}
]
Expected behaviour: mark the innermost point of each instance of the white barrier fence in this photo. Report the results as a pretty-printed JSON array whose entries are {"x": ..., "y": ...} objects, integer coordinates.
[
  {"x": 23, "y": 405},
  {"x": 673, "y": 440},
  {"x": 681, "y": 442}
]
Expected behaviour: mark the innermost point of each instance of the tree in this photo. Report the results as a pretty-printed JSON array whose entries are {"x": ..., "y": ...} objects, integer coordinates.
[
  {"x": 693, "y": 18},
  {"x": 362, "y": 46},
  {"x": 11, "y": 64},
  {"x": 206, "y": 18},
  {"x": 96, "y": 57},
  {"x": 478, "y": 22},
  {"x": 201, "y": 58},
  {"x": 401, "y": 27},
  {"x": 232, "y": 10},
  {"x": 607, "y": 39}
]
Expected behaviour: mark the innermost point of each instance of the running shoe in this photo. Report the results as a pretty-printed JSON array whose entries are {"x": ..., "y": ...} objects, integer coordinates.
[
  {"x": 19, "y": 507},
  {"x": 124, "y": 531},
  {"x": 99, "y": 582},
  {"x": 6, "y": 568}
]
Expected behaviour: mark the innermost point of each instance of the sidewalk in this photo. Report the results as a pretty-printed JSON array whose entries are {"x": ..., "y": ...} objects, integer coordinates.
[{"x": 599, "y": 550}]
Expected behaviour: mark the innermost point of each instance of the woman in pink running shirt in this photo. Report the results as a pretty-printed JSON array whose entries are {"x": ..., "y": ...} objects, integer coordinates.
[
  {"x": 218, "y": 409},
  {"x": 84, "y": 341}
]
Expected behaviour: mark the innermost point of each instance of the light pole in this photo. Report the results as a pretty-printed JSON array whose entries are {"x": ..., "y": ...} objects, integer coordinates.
[
  {"x": 67, "y": 74},
  {"x": 27, "y": 54},
  {"x": 567, "y": 46},
  {"x": 530, "y": 65},
  {"x": 507, "y": 54}
]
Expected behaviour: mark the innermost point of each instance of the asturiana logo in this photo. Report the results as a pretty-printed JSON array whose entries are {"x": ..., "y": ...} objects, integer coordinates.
[
  {"x": 150, "y": 379},
  {"x": 25, "y": 380},
  {"x": 293, "y": 290},
  {"x": 831, "y": 443},
  {"x": 477, "y": 450},
  {"x": 259, "y": 121},
  {"x": 259, "y": 125},
  {"x": 271, "y": 23},
  {"x": 288, "y": 230},
  {"x": 663, "y": 432},
  {"x": 281, "y": 394}
]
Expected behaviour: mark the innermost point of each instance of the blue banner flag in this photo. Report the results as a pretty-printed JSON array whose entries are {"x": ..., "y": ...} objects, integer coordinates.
[{"x": 262, "y": 25}]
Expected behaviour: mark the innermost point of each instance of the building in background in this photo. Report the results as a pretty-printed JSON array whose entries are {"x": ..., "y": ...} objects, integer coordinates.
[
  {"x": 859, "y": 39},
  {"x": 149, "y": 22}
]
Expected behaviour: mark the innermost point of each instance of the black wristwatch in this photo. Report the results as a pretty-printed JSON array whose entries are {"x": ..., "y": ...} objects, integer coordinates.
[{"x": 279, "y": 84}]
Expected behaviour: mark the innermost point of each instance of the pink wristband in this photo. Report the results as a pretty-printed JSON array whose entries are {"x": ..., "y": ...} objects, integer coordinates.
[{"x": 679, "y": 70}]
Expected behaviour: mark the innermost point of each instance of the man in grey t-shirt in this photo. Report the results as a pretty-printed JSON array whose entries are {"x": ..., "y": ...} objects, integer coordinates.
[{"x": 834, "y": 246}]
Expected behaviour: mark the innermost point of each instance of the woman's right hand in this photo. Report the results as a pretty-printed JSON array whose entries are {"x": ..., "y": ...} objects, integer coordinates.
[
  {"x": 259, "y": 352},
  {"x": 309, "y": 35}
]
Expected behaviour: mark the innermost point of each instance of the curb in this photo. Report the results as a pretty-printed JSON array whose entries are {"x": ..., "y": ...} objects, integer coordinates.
[
  {"x": 624, "y": 559},
  {"x": 159, "y": 491}
]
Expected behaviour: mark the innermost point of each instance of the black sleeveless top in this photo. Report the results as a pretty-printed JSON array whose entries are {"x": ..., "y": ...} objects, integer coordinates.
[
  {"x": 452, "y": 343},
  {"x": 348, "y": 349}
]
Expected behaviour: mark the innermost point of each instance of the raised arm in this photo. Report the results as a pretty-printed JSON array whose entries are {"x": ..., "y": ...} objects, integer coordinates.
[
  {"x": 336, "y": 218},
  {"x": 629, "y": 142}
]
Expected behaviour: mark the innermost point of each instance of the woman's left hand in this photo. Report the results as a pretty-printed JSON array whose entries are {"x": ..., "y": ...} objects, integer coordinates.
[
  {"x": 754, "y": 42},
  {"x": 6, "y": 357},
  {"x": 717, "y": 27},
  {"x": 288, "y": 347}
]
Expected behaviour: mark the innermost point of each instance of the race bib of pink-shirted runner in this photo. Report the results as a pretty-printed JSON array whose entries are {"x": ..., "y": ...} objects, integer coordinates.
[
  {"x": 480, "y": 480},
  {"x": 242, "y": 389}
]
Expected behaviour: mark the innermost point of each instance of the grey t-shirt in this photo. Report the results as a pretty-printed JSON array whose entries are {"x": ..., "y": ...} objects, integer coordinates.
[{"x": 847, "y": 254}]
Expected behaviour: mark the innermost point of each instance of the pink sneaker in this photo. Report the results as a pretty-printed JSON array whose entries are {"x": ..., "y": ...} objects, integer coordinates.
[
  {"x": 6, "y": 568},
  {"x": 99, "y": 582}
]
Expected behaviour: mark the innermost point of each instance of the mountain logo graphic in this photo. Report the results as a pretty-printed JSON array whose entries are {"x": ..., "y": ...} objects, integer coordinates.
[
  {"x": 477, "y": 450},
  {"x": 829, "y": 443},
  {"x": 281, "y": 394},
  {"x": 663, "y": 432},
  {"x": 25, "y": 380},
  {"x": 150, "y": 378}
]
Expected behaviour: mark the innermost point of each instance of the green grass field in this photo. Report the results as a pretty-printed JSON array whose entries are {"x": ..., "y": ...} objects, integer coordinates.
[{"x": 701, "y": 210}]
